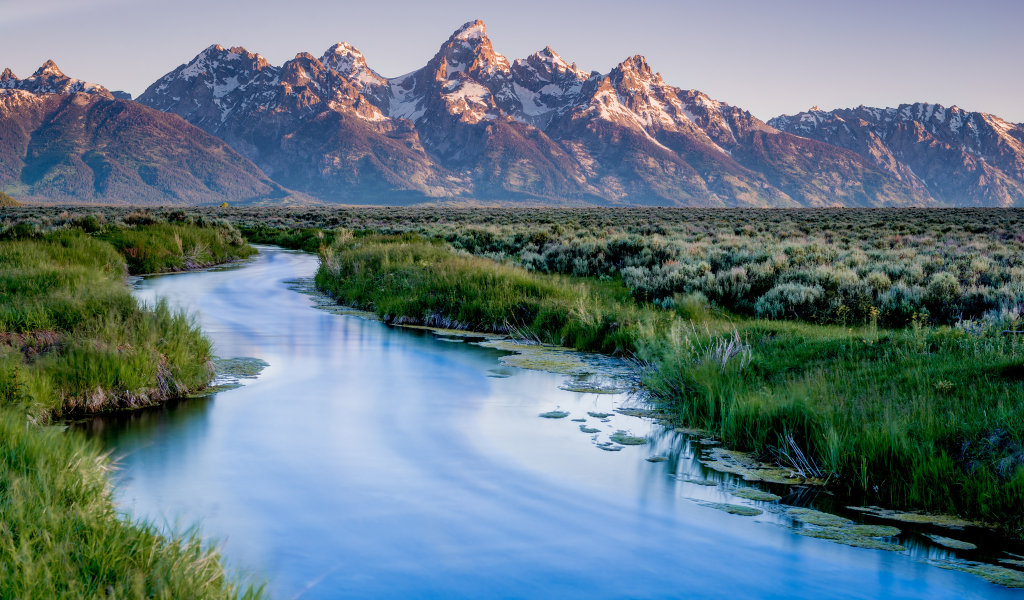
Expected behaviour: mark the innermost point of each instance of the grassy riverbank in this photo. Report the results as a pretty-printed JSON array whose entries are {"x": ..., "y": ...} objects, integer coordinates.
[
  {"x": 409, "y": 279},
  {"x": 72, "y": 339},
  {"x": 926, "y": 417}
]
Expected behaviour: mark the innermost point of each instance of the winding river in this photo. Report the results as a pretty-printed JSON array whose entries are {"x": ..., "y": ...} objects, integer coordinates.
[{"x": 375, "y": 462}]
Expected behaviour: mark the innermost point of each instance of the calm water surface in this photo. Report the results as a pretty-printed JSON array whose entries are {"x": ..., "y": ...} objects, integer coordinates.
[{"x": 373, "y": 462}]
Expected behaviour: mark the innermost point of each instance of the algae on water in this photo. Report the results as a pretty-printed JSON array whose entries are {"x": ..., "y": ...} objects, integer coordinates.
[
  {"x": 733, "y": 509},
  {"x": 621, "y": 437},
  {"x": 849, "y": 538},
  {"x": 841, "y": 530},
  {"x": 656, "y": 459},
  {"x": 992, "y": 573},
  {"x": 228, "y": 373},
  {"x": 698, "y": 481},
  {"x": 586, "y": 429},
  {"x": 555, "y": 414},
  {"x": 240, "y": 367},
  {"x": 592, "y": 385},
  {"x": 750, "y": 493},
  {"x": 814, "y": 517},
  {"x": 874, "y": 530},
  {"x": 724, "y": 460},
  {"x": 950, "y": 542},
  {"x": 924, "y": 519},
  {"x": 599, "y": 415}
]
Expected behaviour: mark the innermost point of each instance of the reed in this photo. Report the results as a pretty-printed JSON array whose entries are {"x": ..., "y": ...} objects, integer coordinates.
[{"x": 409, "y": 279}]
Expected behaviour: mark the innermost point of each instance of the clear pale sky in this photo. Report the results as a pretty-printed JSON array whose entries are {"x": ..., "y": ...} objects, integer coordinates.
[{"x": 767, "y": 57}]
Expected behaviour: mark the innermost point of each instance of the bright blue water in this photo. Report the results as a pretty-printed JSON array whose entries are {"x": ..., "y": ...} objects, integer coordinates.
[{"x": 373, "y": 462}]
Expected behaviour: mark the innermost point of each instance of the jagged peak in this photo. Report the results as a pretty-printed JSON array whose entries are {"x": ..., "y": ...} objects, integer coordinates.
[
  {"x": 550, "y": 57},
  {"x": 344, "y": 58},
  {"x": 474, "y": 30},
  {"x": 636, "y": 63},
  {"x": 8, "y": 75},
  {"x": 305, "y": 55},
  {"x": 344, "y": 49},
  {"x": 49, "y": 68}
]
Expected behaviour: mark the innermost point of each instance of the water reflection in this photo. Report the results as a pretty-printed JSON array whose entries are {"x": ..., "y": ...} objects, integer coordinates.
[{"x": 373, "y": 462}]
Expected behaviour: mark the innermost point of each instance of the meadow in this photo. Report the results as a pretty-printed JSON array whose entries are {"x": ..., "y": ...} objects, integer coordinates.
[
  {"x": 876, "y": 349},
  {"x": 74, "y": 340},
  {"x": 830, "y": 266}
]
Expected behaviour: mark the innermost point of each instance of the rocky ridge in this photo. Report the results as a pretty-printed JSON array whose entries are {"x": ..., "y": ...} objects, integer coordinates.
[
  {"x": 957, "y": 157},
  {"x": 64, "y": 140}
]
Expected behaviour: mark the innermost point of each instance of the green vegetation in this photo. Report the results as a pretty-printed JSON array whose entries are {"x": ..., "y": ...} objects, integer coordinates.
[
  {"x": 73, "y": 339},
  {"x": 875, "y": 350},
  {"x": 407, "y": 279},
  {"x": 309, "y": 240},
  {"x": 172, "y": 247},
  {"x": 921, "y": 417},
  {"x": 60, "y": 535},
  {"x": 76, "y": 340},
  {"x": 926, "y": 416}
]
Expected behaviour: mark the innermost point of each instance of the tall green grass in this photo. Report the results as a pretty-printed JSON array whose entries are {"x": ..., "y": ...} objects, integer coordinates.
[
  {"x": 72, "y": 338},
  {"x": 166, "y": 247},
  {"x": 409, "y": 279},
  {"x": 922, "y": 417},
  {"x": 78, "y": 338},
  {"x": 309, "y": 240},
  {"x": 61, "y": 537},
  {"x": 927, "y": 418}
]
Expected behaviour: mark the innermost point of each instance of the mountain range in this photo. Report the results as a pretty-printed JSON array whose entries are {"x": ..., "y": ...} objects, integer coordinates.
[
  {"x": 63, "y": 140},
  {"x": 472, "y": 125}
]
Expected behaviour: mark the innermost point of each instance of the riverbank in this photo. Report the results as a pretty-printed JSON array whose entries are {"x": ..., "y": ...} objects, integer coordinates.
[
  {"x": 73, "y": 339},
  {"x": 925, "y": 417}
]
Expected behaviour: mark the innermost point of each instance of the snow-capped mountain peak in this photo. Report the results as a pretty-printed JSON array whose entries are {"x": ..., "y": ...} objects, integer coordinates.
[
  {"x": 50, "y": 69},
  {"x": 48, "y": 79},
  {"x": 473, "y": 30}
]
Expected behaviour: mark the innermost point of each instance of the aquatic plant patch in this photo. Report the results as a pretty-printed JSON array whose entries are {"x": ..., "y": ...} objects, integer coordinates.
[
  {"x": 849, "y": 538},
  {"x": 554, "y": 414},
  {"x": 948, "y": 521},
  {"x": 622, "y": 437},
  {"x": 950, "y": 542},
  {"x": 814, "y": 517},
  {"x": 755, "y": 494},
  {"x": 1003, "y": 576},
  {"x": 733, "y": 509}
]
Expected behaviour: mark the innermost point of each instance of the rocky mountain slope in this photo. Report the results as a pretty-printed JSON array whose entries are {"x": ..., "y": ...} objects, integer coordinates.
[
  {"x": 472, "y": 124},
  {"x": 957, "y": 157},
  {"x": 64, "y": 140}
]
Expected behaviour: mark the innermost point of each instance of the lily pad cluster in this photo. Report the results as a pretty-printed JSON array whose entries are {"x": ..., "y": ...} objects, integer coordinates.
[{"x": 841, "y": 530}]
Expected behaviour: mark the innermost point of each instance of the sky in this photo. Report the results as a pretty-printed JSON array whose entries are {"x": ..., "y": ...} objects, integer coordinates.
[{"x": 767, "y": 57}]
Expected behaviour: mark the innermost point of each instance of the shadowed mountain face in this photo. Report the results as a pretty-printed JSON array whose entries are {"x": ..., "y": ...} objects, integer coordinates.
[
  {"x": 472, "y": 124},
  {"x": 69, "y": 141},
  {"x": 957, "y": 157}
]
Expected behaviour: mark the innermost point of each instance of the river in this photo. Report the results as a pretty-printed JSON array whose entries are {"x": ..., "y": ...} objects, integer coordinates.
[{"x": 376, "y": 462}]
